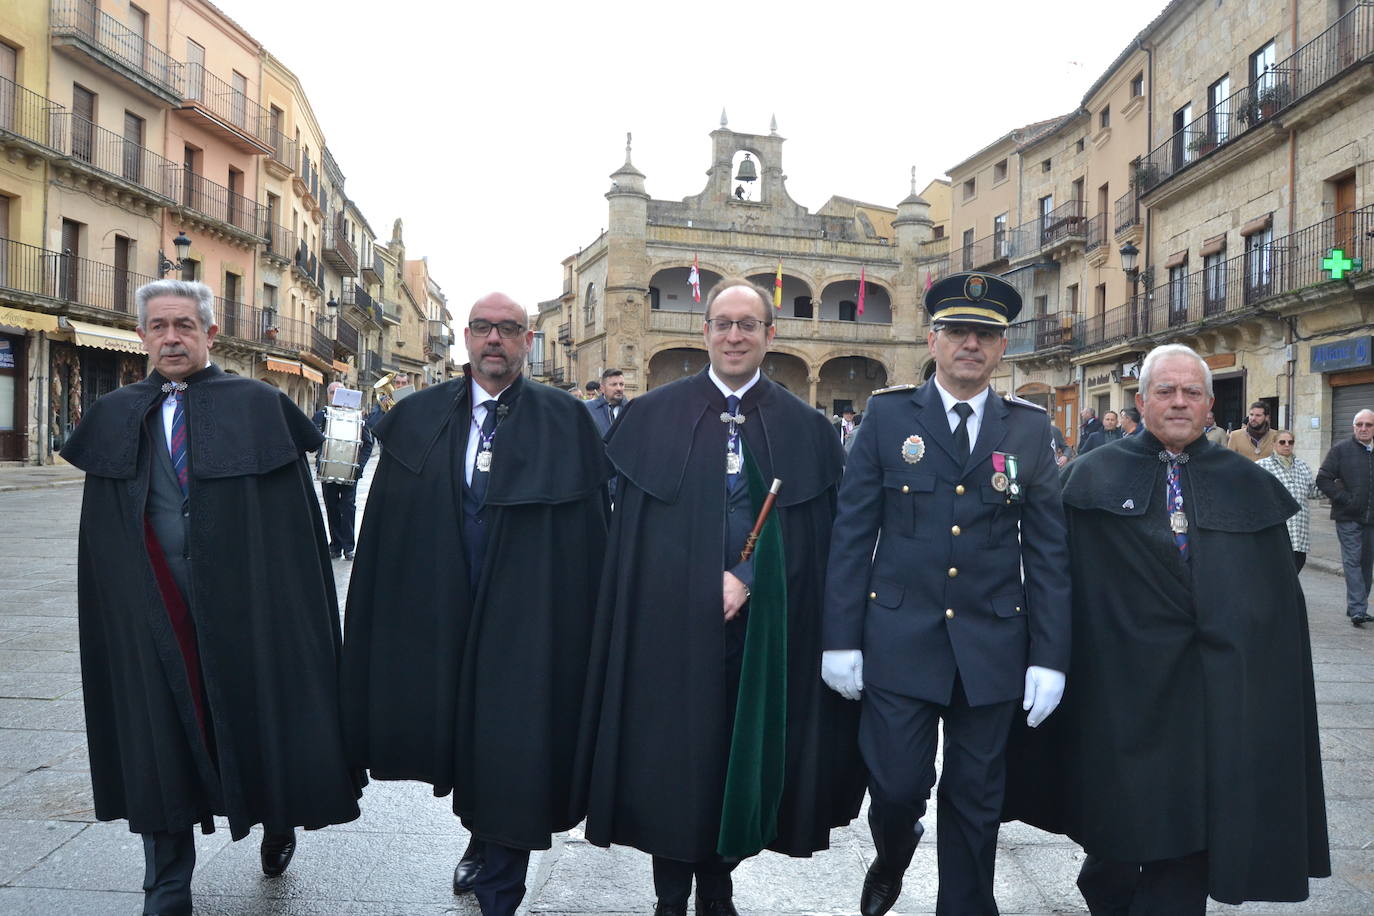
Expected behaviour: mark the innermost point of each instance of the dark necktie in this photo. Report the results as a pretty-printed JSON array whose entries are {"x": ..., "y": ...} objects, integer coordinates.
[
  {"x": 178, "y": 443},
  {"x": 961, "y": 446},
  {"x": 732, "y": 444},
  {"x": 480, "y": 478}
]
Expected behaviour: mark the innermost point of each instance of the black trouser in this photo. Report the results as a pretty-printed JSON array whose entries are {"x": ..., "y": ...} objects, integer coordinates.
[
  {"x": 1169, "y": 887},
  {"x": 339, "y": 509},
  {"x": 169, "y": 859},
  {"x": 673, "y": 880},
  {"x": 897, "y": 735},
  {"x": 500, "y": 884}
]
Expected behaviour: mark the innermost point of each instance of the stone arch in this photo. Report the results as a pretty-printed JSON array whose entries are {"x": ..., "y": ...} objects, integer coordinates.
[
  {"x": 795, "y": 287},
  {"x": 839, "y": 301},
  {"x": 672, "y": 361},
  {"x": 746, "y": 190},
  {"x": 849, "y": 377},
  {"x": 669, "y": 290},
  {"x": 790, "y": 370}
]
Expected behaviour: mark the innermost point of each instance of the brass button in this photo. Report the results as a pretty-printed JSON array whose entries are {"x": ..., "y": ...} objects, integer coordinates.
[
  {"x": 953, "y": 571},
  {"x": 956, "y": 531},
  {"x": 872, "y": 596},
  {"x": 949, "y": 613},
  {"x": 1018, "y": 609},
  {"x": 959, "y": 490},
  {"x": 906, "y": 489}
]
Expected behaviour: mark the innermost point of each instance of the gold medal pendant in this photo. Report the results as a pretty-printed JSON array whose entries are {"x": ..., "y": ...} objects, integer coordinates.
[
  {"x": 1000, "y": 482},
  {"x": 484, "y": 461},
  {"x": 1178, "y": 523},
  {"x": 733, "y": 463}
]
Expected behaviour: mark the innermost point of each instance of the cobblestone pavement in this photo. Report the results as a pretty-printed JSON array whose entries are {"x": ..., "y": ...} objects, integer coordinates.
[{"x": 398, "y": 858}]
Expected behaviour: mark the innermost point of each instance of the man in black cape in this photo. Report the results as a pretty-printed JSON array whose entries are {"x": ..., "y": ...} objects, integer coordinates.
[
  {"x": 709, "y": 734},
  {"x": 1184, "y": 757},
  {"x": 470, "y": 609},
  {"x": 209, "y": 627}
]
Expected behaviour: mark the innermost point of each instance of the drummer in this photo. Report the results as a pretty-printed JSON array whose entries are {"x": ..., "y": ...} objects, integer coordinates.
[{"x": 340, "y": 497}]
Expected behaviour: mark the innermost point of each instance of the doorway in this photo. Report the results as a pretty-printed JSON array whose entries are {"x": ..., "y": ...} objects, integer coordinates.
[{"x": 1230, "y": 407}]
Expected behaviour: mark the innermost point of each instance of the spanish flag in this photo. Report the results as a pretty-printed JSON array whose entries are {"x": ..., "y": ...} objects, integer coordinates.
[{"x": 777, "y": 287}]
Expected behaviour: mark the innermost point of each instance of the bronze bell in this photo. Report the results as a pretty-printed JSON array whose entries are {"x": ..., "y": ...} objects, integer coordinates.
[{"x": 747, "y": 171}]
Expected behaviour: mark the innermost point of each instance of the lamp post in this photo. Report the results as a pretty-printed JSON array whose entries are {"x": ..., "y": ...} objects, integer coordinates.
[
  {"x": 1130, "y": 263},
  {"x": 165, "y": 265}
]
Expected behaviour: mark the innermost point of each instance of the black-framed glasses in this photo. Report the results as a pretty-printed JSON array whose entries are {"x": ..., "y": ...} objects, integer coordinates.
[
  {"x": 746, "y": 325},
  {"x": 1284, "y": 442},
  {"x": 507, "y": 329}
]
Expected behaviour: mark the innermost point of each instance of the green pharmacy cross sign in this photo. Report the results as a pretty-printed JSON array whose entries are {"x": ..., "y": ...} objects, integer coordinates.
[{"x": 1339, "y": 265}]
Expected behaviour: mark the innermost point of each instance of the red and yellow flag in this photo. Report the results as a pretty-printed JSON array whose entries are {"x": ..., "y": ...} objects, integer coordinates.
[{"x": 777, "y": 287}]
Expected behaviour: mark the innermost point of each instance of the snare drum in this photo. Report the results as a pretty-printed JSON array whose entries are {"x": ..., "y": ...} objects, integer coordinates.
[{"x": 343, "y": 438}]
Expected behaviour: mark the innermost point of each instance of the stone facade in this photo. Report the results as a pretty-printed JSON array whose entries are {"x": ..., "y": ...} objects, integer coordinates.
[{"x": 627, "y": 302}]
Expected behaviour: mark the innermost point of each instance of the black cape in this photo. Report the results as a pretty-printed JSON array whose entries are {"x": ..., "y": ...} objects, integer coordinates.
[
  {"x": 262, "y": 601},
  {"x": 1189, "y": 719},
  {"x": 479, "y": 697},
  {"x": 657, "y": 736}
]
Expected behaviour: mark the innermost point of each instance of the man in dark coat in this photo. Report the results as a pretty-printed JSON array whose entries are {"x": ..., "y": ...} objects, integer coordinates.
[
  {"x": 209, "y": 627},
  {"x": 709, "y": 734},
  {"x": 1090, "y": 425},
  {"x": 1184, "y": 758},
  {"x": 1346, "y": 478},
  {"x": 340, "y": 497},
  {"x": 470, "y": 609},
  {"x": 964, "y": 608},
  {"x": 1109, "y": 432},
  {"x": 606, "y": 408}
]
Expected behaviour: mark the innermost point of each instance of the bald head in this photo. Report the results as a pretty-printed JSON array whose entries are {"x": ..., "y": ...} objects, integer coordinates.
[
  {"x": 1364, "y": 426},
  {"x": 497, "y": 339}
]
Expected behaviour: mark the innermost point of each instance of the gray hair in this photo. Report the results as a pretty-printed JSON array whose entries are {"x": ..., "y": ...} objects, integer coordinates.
[
  {"x": 199, "y": 293},
  {"x": 1165, "y": 352}
]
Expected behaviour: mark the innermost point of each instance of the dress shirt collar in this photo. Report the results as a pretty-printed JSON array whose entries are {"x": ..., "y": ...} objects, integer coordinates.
[
  {"x": 977, "y": 402},
  {"x": 479, "y": 394},
  {"x": 725, "y": 389}
]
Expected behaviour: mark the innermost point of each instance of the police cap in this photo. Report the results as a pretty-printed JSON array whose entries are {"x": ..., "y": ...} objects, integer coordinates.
[{"x": 973, "y": 298}]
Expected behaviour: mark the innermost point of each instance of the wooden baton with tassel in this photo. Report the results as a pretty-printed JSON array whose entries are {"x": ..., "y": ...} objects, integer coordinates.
[{"x": 753, "y": 538}]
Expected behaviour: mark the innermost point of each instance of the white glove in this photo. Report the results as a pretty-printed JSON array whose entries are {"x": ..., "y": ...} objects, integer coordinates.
[
  {"x": 843, "y": 671},
  {"x": 1044, "y": 690}
]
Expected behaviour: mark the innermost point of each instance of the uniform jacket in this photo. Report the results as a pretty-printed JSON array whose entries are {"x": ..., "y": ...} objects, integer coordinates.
[
  {"x": 1347, "y": 478},
  {"x": 944, "y": 595}
]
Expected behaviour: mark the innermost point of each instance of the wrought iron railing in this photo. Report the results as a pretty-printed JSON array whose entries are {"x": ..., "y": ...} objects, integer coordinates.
[
  {"x": 1347, "y": 42},
  {"x": 539, "y": 368},
  {"x": 1127, "y": 211},
  {"x": 1095, "y": 235},
  {"x": 227, "y": 104},
  {"x": 337, "y": 248},
  {"x": 1040, "y": 334},
  {"x": 81, "y": 19},
  {"x": 1092, "y": 331},
  {"x": 63, "y": 277},
  {"x": 108, "y": 152},
  {"x": 216, "y": 202},
  {"x": 1064, "y": 222},
  {"x": 27, "y": 114},
  {"x": 988, "y": 250},
  {"x": 281, "y": 242},
  {"x": 346, "y": 335},
  {"x": 283, "y": 148}
]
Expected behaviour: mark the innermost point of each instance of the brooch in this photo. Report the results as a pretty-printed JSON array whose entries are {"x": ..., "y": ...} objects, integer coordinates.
[{"x": 913, "y": 449}]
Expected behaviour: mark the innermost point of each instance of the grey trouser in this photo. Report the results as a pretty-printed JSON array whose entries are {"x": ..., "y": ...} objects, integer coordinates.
[{"x": 1357, "y": 558}]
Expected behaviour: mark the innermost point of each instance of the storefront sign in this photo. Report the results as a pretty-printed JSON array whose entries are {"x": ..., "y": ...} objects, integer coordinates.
[
  {"x": 6, "y": 354},
  {"x": 1093, "y": 381},
  {"x": 1220, "y": 361},
  {"x": 1351, "y": 353}
]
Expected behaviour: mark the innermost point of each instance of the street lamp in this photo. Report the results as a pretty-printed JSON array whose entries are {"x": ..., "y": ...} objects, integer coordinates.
[
  {"x": 1130, "y": 263},
  {"x": 183, "y": 246}
]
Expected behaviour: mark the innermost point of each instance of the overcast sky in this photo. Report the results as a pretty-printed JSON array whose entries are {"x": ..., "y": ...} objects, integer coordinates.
[{"x": 491, "y": 128}]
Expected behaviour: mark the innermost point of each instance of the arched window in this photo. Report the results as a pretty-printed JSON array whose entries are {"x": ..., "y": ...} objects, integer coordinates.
[{"x": 589, "y": 305}]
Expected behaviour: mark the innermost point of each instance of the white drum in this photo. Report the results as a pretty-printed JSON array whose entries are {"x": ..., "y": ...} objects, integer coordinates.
[{"x": 343, "y": 438}]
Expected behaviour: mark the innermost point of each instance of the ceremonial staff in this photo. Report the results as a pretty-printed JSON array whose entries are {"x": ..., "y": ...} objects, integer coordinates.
[{"x": 768, "y": 501}]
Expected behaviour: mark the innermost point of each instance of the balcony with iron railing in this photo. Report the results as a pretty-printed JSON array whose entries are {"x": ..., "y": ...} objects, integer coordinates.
[
  {"x": 1063, "y": 225},
  {"x": 370, "y": 365},
  {"x": 1095, "y": 233},
  {"x": 438, "y": 339},
  {"x": 558, "y": 375},
  {"x": 199, "y": 197},
  {"x": 281, "y": 244},
  {"x": 374, "y": 270},
  {"x": 104, "y": 154},
  {"x": 282, "y": 154},
  {"x": 353, "y": 294},
  {"x": 986, "y": 253},
  {"x": 1349, "y": 41},
  {"x": 26, "y": 119},
  {"x": 244, "y": 324},
  {"x": 539, "y": 368},
  {"x": 225, "y": 111},
  {"x": 79, "y": 28},
  {"x": 1040, "y": 336},
  {"x": 336, "y": 249},
  {"x": 307, "y": 266},
  {"x": 345, "y": 337},
  {"x": 1126, "y": 212},
  {"x": 565, "y": 333},
  {"x": 59, "y": 280}
]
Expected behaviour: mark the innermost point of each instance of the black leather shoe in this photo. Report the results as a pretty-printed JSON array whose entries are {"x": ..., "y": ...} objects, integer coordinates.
[
  {"x": 668, "y": 909},
  {"x": 881, "y": 891},
  {"x": 277, "y": 850},
  {"x": 348, "y": 554},
  {"x": 722, "y": 907},
  {"x": 1359, "y": 620},
  {"x": 465, "y": 874},
  {"x": 335, "y": 554}
]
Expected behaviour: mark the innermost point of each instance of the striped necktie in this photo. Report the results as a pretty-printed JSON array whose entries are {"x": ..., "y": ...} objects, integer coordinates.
[{"x": 178, "y": 442}]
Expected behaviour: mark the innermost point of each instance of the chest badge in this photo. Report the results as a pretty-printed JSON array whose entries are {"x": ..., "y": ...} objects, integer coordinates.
[{"x": 913, "y": 449}]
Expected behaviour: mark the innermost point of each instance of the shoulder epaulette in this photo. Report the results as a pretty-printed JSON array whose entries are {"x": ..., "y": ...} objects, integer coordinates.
[
  {"x": 1022, "y": 402},
  {"x": 892, "y": 388}
]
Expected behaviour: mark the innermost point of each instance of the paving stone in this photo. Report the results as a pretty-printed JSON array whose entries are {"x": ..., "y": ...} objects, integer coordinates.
[
  {"x": 415, "y": 869},
  {"x": 29, "y": 749},
  {"x": 43, "y": 795},
  {"x": 26, "y": 842},
  {"x": 38, "y": 685},
  {"x": 63, "y": 715},
  {"x": 1353, "y": 692},
  {"x": 406, "y": 807},
  {"x": 328, "y": 865},
  {"x": 42, "y": 901}
]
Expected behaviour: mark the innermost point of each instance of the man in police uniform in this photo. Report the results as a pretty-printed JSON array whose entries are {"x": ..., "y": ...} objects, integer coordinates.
[{"x": 959, "y": 491}]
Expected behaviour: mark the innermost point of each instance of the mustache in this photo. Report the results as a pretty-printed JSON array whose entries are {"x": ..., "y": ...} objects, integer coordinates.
[{"x": 174, "y": 350}]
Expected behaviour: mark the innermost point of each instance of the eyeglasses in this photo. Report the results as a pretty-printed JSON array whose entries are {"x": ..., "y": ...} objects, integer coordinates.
[
  {"x": 1284, "y": 442},
  {"x": 507, "y": 329},
  {"x": 960, "y": 332},
  {"x": 746, "y": 325}
]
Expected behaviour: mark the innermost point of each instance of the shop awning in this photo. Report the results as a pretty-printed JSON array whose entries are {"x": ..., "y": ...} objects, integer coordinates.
[
  {"x": 85, "y": 334},
  {"x": 20, "y": 320},
  {"x": 341, "y": 367},
  {"x": 284, "y": 366},
  {"x": 311, "y": 374}
]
